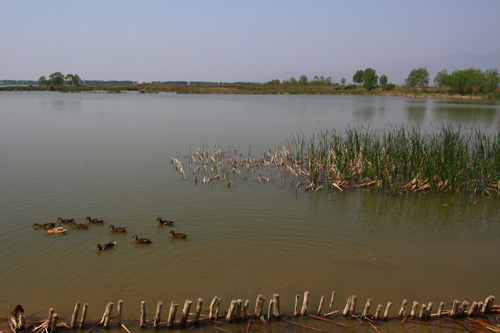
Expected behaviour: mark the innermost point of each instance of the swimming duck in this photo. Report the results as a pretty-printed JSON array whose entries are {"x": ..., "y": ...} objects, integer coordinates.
[
  {"x": 17, "y": 320},
  {"x": 79, "y": 226},
  {"x": 66, "y": 221},
  {"x": 57, "y": 230},
  {"x": 44, "y": 226},
  {"x": 164, "y": 222},
  {"x": 91, "y": 220},
  {"x": 141, "y": 240},
  {"x": 177, "y": 235},
  {"x": 107, "y": 246},
  {"x": 118, "y": 229}
]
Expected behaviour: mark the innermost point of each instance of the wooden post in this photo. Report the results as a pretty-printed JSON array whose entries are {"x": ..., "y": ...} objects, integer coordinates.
[
  {"x": 143, "y": 315},
  {"x": 276, "y": 305},
  {"x": 414, "y": 310},
  {"x": 347, "y": 306},
  {"x": 352, "y": 309},
  {"x": 473, "y": 309},
  {"x": 119, "y": 315},
  {"x": 185, "y": 312},
  {"x": 488, "y": 302},
  {"x": 379, "y": 310},
  {"x": 239, "y": 304},
  {"x": 172, "y": 313},
  {"x": 245, "y": 309},
  {"x": 454, "y": 309},
  {"x": 367, "y": 308},
  {"x": 296, "y": 309},
  {"x": 428, "y": 312},
  {"x": 49, "y": 319},
  {"x": 84, "y": 315},
  {"x": 156, "y": 322},
  {"x": 403, "y": 308},
  {"x": 75, "y": 315},
  {"x": 212, "y": 308},
  {"x": 259, "y": 305},
  {"x": 107, "y": 314},
  {"x": 303, "y": 312},
  {"x": 217, "y": 308},
  {"x": 330, "y": 307},
  {"x": 269, "y": 311},
  {"x": 199, "y": 307},
  {"x": 387, "y": 310},
  {"x": 55, "y": 319},
  {"x": 440, "y": 310},
  {"x": 423, "y": 310},
  {"x": 320, "y": 307},
  {"x": 463, "y": 307}
]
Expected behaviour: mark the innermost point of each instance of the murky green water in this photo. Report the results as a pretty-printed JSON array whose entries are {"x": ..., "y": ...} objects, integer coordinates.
[{"x": 108, "y": 156}]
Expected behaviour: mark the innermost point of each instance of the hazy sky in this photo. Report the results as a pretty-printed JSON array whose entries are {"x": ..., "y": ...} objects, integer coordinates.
[{"x": 238, "y": 40}]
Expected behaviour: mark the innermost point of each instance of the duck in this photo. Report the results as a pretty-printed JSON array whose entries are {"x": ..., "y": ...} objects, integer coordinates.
[
  {"x": 165, "y": 222},
  {"x": 177, "y": 235},
  {"x": 95, "y": 221},
  {"x": 17, "y": 319},
  {"x": 107, "y": 246},
  {"x": 66, "y": 221},
  {"x": 118, "y": 229},
  {"x": 141, "y": 240},
  {"x": 44, "y": 226},
  {"x": 79, "y": 226},
  {"x": 57, "y": 230}
]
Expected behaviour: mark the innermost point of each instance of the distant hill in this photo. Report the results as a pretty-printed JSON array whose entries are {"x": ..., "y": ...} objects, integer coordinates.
[{"x": 397, "y": 71}]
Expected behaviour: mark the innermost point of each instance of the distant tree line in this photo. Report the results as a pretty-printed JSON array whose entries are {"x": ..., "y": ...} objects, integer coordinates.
[{"x": 58, "y": 79}]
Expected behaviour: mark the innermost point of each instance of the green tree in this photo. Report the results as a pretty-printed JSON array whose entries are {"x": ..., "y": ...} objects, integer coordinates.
[
  {"x": 303, "y": 80},
  {"x": 418, "y": 78},
  {"x": 293, "y": 81},
  {"x": 492, "y": 79},
  {"x": 56, "y": 79},
  {"x": 370, "y": 78},
  {"x": 383, "y": 80},
  {"x": 42, "y": 81},
  {"x": 274, "y": 82},
  {"x": 343, "y": 81},
  {"x": 441, "y": 79},
  {"x": 358, "y": 77}
]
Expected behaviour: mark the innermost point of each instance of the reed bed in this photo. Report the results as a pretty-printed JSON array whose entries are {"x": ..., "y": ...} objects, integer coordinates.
[{"x": 394, "y": 159}]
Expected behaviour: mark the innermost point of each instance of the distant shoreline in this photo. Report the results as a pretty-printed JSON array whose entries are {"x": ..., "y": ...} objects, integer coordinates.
[{"x": 429, "y": 92}]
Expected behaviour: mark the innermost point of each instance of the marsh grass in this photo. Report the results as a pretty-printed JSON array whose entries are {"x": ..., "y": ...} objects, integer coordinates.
[{"x": 398, "y": 159}]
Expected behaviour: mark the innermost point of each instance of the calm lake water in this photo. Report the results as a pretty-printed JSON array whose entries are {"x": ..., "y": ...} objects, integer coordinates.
[{"x": 108, "y": 156}]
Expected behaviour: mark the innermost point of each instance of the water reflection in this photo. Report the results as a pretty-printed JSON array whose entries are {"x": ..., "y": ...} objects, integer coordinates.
[{"x": 416, "y": 111}]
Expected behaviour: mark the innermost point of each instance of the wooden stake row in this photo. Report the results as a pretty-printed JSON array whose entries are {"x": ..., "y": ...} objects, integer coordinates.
[{"x": 238, "y": 310}]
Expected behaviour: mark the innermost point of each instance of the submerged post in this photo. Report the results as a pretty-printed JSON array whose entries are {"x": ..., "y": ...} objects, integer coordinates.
[
  {"x": 296, "y": 309},
  {"x": 84, "y": 315},
  {"x": 276, "y": 305},
  {"x": 185, "y": 312},
  {"x": 75, "y": 314},
  {"x": 403, "y": 308},
  {"x": 198, "y": 311},
  {"x": 320, "y": 307},
  {"x": 143, "y": 314},
  {"x": 49, "y": 319},
  {"x": 303, "y": 312},
  {"x": 119, "y": 315},
  {"x": 156, "y": 322},
  {"x": 387, "y": 310},
  {"x": 171, "y": 315},
  {"x": 330, "y": 307}
]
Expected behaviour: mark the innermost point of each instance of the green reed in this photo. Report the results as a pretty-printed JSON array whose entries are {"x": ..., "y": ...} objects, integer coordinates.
[{"x": 398, "y": 159}]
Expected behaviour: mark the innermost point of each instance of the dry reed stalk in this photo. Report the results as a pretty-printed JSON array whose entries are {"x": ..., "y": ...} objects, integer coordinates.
[
  {"x": 305, "y": 326},
  {"x": 324, "y": 319}
]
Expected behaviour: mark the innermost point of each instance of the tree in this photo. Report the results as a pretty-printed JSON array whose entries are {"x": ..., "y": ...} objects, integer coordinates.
[
  {"x": 274, "y": 82},
  {"x": 42, "y": 81},
  {"x": 441, "y": 79},
  {"x": 358, "y": 77},
  {"x": 343, "y": 81},
  {"x": 491, "y": 78},
  {"x": 383, "y": 80},
  {"x": 418, "y": 78},
  {"x": 56, "y": 79},
  {"x": 303, "y": 80},
  {"x": 370, "y": 78},
  {"x": 473, "y": 81},
  {"x": 293, "y": 81}
]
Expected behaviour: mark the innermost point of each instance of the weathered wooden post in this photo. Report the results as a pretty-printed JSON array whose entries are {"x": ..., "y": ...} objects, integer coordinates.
[
  {"x": 320, "y": 307},
  {"x": 156, "y": 322},
  {"x": 440, "y": 310},
  {"x": 367, "y": 308},
  {"x": 53, "y": 326},
  {"x": 212, "y": 308},
  {"x": 488, "y": 302},
  {"x": 259, "y": 305},
  {"x": 185, "y": 312},
  {"x": 296, "y": 309},
  {"x": 276, "y": 305},
  {"x": 403, "y": 308},
  {"x": 378, "y": 312},
  {"x": 119, "y": 315},
  {"x": 414, "y": 310},
  {"x": 172, "y": 313},
  {"x": 423, "y": 310},
  {"x": 387, "y": 310},
  {"x": 330, "y": 307},
  {"x": 217, "y": 308},
  {"x": 352, "y": 309},
  {"x": 427, "y": 315},
  {"x": 49, "y": 319},
  {"x": 199, "y": 307},
  {"x": 75, "y": 315},
  {"x": 461, "y": 310},
  {"x": 454, "y": 309},
  {"x": 303, "y": 312},
  {"x": 107, "y": 315},
  {"x": 347, "y": 306},
  {"x": 84, "y": 315},
  {"x": 230, "y": 311},
  {"x": 143, "y": 322},
  {"x": 245, "y": 309},
  {"x": 473, "y": 309},
  {"x": 269, "y": 310},
  {"x": 239, "y": 304}
]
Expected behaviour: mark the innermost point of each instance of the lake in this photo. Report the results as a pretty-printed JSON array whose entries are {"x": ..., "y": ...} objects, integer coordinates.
[{"x": 108, "y": 156}]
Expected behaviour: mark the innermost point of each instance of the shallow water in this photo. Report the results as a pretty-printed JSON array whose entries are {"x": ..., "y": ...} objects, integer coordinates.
[{"x": 108, "y": 156}]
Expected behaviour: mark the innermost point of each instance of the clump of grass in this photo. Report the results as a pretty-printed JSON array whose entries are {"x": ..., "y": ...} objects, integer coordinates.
[{"x": 400, "y": 159}]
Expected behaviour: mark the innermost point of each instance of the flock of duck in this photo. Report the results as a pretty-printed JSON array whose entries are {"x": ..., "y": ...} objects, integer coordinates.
[{"x": 53, "y": 229}]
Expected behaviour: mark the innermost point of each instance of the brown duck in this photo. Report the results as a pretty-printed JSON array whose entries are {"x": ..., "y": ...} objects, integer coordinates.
[
  {"x": 165, "y": 222},
  {"x": 95, "y": 221},
  {"x": 141, "y": 240},
  {"x": 44, "y": 226},
  {"x": 65, "y": 221},
  {"x": 57, "y": 230},
  {"x": 79, "y": 226},
  {"x": 117, "y": 229},
  {"x": 177, "y": 235},
  {"x": 106, "y": 246}
]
